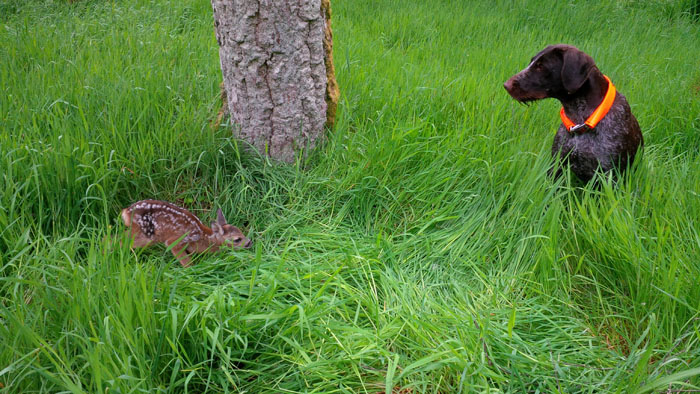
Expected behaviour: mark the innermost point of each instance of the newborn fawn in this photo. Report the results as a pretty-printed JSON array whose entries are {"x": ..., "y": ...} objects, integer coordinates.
[{"x": 156, "y": 221}]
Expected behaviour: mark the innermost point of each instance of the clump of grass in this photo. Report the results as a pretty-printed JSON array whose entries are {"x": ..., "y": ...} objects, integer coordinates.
[{"x": 422, "y": 248}]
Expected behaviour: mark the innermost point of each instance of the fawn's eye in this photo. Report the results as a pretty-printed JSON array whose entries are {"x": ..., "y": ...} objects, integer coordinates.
[{"x": 237, "y": 239}]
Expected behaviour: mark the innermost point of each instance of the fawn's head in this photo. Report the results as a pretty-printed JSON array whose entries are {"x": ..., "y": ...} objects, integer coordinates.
[{"x": 226, "y": 234}]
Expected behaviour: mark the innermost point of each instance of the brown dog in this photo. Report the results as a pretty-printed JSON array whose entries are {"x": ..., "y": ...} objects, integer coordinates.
[{"x": 598, "y": 130}]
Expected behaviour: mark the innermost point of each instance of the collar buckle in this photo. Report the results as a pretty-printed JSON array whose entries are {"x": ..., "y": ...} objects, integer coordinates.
[{"x": 579, "y": 128}]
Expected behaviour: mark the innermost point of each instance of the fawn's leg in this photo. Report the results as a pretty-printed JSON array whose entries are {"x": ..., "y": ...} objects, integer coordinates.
[
  {"x": 180, "y": 252},
  {"x": 140, "y": 240}
]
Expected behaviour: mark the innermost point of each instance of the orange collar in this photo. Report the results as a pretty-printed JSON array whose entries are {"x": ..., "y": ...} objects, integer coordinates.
[{"x": 595, "y": 117}]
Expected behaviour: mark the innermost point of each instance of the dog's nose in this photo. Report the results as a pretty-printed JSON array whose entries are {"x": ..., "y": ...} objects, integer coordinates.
[{"x": 508, "y": 85}]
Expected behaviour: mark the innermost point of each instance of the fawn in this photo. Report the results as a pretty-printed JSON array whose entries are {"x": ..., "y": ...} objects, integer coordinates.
[{"x": 159, "y": 221}]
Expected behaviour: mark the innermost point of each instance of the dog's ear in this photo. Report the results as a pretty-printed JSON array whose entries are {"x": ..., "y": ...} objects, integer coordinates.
[{"x": 575, "y": 69}]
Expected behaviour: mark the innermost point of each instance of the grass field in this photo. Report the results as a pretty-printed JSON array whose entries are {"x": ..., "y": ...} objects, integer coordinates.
[{"x": 421, "y": 249}]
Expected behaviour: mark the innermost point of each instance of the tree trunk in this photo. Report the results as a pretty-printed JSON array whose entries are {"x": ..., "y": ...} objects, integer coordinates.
[{"x": 276, "y": 60}]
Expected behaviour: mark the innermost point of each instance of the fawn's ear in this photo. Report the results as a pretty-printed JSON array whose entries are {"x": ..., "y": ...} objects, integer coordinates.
[
  {"x": 220, "y": 219},
  {"x": 215, "y": 227}
]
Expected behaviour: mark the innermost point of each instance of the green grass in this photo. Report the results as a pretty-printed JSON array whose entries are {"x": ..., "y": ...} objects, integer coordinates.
[{"x": 422, "y": 247}]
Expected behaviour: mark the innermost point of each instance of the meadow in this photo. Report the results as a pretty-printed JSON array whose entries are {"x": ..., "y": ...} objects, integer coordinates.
[{"x": 421, "y": 249}]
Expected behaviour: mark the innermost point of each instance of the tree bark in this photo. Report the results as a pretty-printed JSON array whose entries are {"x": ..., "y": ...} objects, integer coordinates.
[{"x": 276, "y": 60}]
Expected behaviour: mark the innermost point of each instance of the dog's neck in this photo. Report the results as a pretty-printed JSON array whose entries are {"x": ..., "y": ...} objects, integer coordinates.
[{"x": 579, "y": 105}]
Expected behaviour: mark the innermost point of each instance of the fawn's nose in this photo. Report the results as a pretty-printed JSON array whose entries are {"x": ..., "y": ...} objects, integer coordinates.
[{"x": 247, "y": 244}]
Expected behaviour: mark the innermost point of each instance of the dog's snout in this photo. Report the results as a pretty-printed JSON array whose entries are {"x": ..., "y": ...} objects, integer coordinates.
[
  {"x": 512, "y": 86},
  {"x": 508, "y": 85}
]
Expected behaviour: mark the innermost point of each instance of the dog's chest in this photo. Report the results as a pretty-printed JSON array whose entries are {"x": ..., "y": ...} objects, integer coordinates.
[{"x": 587, "y": 150}]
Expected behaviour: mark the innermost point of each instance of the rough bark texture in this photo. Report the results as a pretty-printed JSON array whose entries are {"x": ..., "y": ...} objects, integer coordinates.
[
  {"x": 332, "y": 90},
  {"x": 277, "y": 69}
]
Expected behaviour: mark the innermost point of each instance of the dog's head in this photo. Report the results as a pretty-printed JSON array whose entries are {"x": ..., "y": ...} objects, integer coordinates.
[{"x": 557, "y": 71}]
